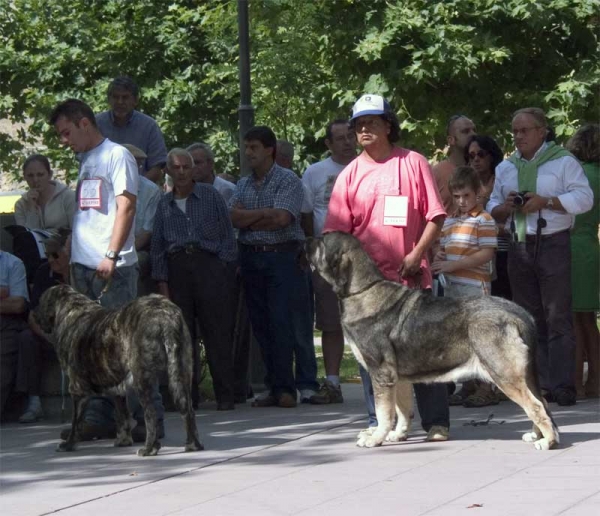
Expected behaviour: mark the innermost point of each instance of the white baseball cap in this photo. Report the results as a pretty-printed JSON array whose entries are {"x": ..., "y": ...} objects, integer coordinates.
[{"x": 370, "y": 104}]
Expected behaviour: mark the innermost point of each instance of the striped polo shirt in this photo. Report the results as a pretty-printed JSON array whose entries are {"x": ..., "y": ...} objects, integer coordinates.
[{"x": 464, "y": 235}]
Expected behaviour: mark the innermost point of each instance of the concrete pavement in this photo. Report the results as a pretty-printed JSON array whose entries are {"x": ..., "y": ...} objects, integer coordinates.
[{"x": 272, "y": 462}]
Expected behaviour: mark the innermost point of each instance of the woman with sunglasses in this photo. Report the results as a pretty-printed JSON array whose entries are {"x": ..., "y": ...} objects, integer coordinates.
[
  {"x": 483, "y": 155},
  {"x": 48, "y": 204},
  {"x": 33, "y": 346}
]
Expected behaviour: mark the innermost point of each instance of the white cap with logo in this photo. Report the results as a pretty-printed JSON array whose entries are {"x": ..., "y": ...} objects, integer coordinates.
[{"x": 370, "y": 104}]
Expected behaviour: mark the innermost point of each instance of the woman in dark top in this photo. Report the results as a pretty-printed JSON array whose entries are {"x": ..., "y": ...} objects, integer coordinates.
[{"x": 33, "y": 347}]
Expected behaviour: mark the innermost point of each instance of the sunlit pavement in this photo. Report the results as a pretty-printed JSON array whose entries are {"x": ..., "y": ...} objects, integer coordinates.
[{"x": 273, "y": 461}]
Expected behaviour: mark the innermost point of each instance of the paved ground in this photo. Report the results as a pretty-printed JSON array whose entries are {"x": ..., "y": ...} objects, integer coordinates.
[{"x": 274, "y": 461}]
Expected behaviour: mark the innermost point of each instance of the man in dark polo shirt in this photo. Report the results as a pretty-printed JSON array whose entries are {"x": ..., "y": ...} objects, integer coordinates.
[
  {"x": 266, "y": 208},
  {"x": 193, "y": 256}
]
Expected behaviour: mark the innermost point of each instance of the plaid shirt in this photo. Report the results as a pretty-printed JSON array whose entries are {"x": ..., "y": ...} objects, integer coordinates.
[
  {"x": 206, "y": 225},
  {"x": 280, "y": 189}
]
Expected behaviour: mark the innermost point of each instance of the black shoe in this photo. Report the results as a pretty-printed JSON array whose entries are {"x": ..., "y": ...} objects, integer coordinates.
[
  {"x": 564, "y": 397},
  {"x": 226, "y": 405},
  {"x": 138, "y": 434},
  {"x": 89, "y": 432}
]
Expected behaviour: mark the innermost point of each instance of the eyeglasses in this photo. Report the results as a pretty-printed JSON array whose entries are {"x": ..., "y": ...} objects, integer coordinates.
[{"x": 479, "y": 154}]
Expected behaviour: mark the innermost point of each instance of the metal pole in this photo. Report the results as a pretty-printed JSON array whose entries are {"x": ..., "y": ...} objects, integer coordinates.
[
  {"x": 257, "y": 369},
  {"x": 245, "y": 111}
]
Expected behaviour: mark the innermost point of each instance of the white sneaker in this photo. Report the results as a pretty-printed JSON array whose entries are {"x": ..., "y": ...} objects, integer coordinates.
[{"x": 437, "y": 434}]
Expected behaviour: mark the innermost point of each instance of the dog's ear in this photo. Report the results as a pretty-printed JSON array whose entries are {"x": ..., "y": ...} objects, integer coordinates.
[{"x": 340, "y": 270}]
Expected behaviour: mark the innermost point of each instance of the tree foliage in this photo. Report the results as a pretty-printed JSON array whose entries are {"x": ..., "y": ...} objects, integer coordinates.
[{"x": 310, "y": 61}]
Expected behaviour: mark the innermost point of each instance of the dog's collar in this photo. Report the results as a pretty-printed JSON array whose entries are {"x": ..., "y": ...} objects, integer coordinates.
[{"x": 362, "y": 289}]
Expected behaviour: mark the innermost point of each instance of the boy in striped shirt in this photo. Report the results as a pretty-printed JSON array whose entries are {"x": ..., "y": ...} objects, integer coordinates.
[
  {"x": 467, "y": 248},
  {"x": 468, "y": 240}
]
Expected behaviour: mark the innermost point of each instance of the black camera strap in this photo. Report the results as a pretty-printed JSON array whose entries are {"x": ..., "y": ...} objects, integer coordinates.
[{"x": 541, "y": 224}]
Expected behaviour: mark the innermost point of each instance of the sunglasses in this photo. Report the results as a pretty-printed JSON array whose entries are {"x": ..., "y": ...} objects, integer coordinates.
[{"x": 479, "y": 154}]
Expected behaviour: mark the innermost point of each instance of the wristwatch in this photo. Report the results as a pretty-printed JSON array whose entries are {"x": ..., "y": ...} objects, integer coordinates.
[
  {"x": 549, "y": 204},
  {"x": 112, "y": 255}
]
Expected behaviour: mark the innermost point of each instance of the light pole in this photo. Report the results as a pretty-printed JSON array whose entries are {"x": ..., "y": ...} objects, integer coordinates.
[{"x": 245, "y": 111}]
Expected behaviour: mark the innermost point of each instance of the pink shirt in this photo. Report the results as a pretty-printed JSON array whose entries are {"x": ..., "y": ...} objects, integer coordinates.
[{"x": 357, "y": 202}]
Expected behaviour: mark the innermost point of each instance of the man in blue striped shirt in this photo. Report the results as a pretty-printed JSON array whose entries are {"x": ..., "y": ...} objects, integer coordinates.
[
  {"x": 266, "y": 208},
  {"x": 193, "y": 257}
]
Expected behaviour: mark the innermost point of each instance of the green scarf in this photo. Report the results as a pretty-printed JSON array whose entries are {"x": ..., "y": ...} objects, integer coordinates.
[{"x": 527, "y": 177}]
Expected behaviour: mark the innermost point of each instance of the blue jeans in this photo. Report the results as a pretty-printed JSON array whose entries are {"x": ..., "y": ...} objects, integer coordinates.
[
  {"x": 432, "y": 402},
  {"x": 304, "y": 344},
  {"x": 277, "y": 299},
  {"x": 121, "y": 290}
]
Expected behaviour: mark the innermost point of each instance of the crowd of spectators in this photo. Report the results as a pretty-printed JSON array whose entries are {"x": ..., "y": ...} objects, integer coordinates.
[{"x": 231, "y": 255}]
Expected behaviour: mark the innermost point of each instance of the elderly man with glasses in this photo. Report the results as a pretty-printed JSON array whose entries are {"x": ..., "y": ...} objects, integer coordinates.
[{"x": 538, "y": 191}]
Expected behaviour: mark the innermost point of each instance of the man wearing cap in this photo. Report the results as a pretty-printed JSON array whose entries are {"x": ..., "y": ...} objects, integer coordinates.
[
  {"x": 145, "y": 209},
  {"x": 388, "y": 199},
  {"x": 204, "y": 169},
  {"x": 124, "y": 124}
]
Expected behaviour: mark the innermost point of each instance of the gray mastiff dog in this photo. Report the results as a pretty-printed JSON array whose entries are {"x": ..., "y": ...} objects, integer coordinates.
[
  {"x": 404, "y": 336},
  {"x": 104, "y": 351}
]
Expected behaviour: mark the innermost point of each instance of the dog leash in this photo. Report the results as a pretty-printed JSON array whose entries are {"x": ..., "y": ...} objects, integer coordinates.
[
  {"x": 104, "y": 290},
  {"x": 484, "y": 422}
]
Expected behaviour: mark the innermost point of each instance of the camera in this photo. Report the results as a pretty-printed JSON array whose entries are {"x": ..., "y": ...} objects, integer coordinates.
[{"x": 520, "y": 199}]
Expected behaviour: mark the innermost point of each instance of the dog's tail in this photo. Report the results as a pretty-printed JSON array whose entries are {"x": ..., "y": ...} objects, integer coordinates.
[{"x": 178, "y": 346}]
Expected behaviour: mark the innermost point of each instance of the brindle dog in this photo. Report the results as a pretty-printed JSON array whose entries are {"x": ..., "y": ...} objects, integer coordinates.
[
  {"x": 103, "y": 351},
  {"x": 403, "y": 336}
]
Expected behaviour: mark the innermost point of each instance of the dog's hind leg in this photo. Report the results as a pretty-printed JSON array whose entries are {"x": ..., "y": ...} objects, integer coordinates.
[
  {"x": 143, "y": 389},
  {"x": 78, "y": 406},
  {"x": 384, "y": 409},
  {"x": 544, "y": 433},
  {"x": 122, "y": 422},
  {"x": 403, "y": 412},
  {"x": 180, "y": 383}
]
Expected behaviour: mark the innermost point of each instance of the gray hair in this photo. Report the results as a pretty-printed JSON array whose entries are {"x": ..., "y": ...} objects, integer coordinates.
[
  {"x": 203, "y": 147},
  {"x": 178, "y": 151},
  {"x": 537, "y": 113},
  {"x": 285, "y": 148}
]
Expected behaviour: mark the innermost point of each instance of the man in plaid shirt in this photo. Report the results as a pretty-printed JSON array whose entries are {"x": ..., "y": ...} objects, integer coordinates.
[
  {"x": 266, "y": 208},
  {"x": 193, "y": 256}
]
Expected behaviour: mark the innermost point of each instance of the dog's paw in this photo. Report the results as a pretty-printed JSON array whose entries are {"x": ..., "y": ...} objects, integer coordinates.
[
  {"x": 194, "y": 446},
  {"x": 65, "y": 446},
  {"x": 544, "y": 444},
  {"x": 149, "y": 452},
  {"x": 531, "y": 437},
  {"x": 123, "y": 441},
  {"x": 371, "y": 441},
  {"x": 396, "y": 436}
]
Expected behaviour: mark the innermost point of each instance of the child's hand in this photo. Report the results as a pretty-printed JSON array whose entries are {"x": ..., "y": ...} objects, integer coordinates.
[{"x": 443, "y": 266}]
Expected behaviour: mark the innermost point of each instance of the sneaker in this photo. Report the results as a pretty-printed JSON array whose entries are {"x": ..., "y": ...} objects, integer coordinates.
[
  {"x": 286, "y": 400},
  {"x": 138, "y": 434},
  {"x": 90, "y": 431},
  {"x": 31, "y": 415},
  {"x": 437, "y": 434},
  {"x": 328, "y": 393},
  {"x": 306, "y": 395}
]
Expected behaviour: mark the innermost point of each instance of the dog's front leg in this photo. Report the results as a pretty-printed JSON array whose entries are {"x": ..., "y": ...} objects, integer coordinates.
[
  {"x": 78, "y": 404},
  {"x": 403, "y": 412},
  {"x": 122, "y": 422},
  {"x": 384, "y": 394}
]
